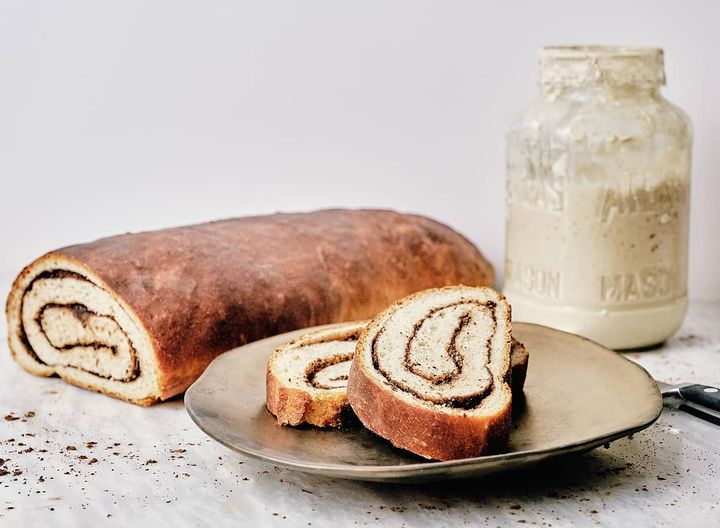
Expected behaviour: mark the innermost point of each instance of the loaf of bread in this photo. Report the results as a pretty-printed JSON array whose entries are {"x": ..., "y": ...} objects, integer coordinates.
[
  {"x": 139, "y": 316},
  {"x": 307, "y": 377},
  {"x": 431, "y": 374}
]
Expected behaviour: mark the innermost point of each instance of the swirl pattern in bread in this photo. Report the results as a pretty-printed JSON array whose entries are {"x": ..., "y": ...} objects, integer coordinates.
[
  {"x": 431, "y": 374},
  {"x": 307, "y": 377}
]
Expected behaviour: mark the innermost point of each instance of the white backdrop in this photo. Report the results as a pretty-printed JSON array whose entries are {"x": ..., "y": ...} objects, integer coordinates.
[{"x": 136, "y": 115}]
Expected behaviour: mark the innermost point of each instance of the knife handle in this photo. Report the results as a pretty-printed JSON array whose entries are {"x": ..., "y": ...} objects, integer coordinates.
[{"x": 702, "y": 395}]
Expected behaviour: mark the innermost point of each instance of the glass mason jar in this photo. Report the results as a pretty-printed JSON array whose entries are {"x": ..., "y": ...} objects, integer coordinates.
[{"x": 598, "y": 176}]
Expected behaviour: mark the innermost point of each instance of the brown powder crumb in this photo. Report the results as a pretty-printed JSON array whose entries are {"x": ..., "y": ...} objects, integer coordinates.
[
  {"x": 178, "y": 450},
  {"x": 30, "y": 414},
  {"x": 10, "y": 508},
  {"x": 4, "y": 472},
  {"x": 93, "y": 461},
  {"x": 71, "y": 448},
  {"x": 150, "y": 461},
  {"x": 90, "y": 445},
  {"x": 11, "y": 418},
  {"x": 17, "y": 472},
  {"x": 41, "y": 479},
  {"x": 593, "y": 511},
  {"x": 82, "y": 457},
  {"x": 515, "y": 506}
]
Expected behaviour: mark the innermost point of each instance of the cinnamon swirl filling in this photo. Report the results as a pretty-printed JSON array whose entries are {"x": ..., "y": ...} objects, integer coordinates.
[
  {"x": 63, "y": 320},
  {"x": 62, "y": 330},
  {"x": 331, "y": 373},
  {"x": 439, "y": 359},
  {"x": 322, "y": 364}
]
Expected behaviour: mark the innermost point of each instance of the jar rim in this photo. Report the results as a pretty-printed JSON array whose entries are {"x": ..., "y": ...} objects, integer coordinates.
[
  {"x": 576, "y": 65},
  {"x": 584, "y": 51}
]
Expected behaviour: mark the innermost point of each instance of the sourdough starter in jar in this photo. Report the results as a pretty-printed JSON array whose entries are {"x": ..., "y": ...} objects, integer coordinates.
[{"x": 598, "y": 173}]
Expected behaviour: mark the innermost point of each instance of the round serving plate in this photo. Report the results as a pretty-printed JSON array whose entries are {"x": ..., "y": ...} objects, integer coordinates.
[{"x": 578, "y": 396}]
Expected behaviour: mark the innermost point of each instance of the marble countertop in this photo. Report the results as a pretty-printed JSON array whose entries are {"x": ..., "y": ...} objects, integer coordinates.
[{"x": 73, "y": 458}]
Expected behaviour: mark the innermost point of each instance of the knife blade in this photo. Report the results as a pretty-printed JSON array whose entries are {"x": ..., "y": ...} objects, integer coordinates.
[{"x": 702, "y": 401}]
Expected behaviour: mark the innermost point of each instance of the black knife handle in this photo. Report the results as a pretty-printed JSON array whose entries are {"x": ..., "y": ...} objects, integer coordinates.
[{"x": 702, "y": 395}]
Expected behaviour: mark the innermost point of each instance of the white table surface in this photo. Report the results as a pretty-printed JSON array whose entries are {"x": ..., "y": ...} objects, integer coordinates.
[{"x": 153, "y": 467}]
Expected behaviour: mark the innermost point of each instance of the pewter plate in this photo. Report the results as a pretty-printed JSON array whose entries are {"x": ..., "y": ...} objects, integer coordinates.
[{"x": 578, "y": 396}]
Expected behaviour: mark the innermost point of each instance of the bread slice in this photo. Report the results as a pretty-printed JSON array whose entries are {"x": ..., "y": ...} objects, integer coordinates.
[
  {"x": 519, "y": 359},
  {"x": 307, "y": 378},
  {"x": 298, "y": 393},
  {"x": 431, "y": 373}
]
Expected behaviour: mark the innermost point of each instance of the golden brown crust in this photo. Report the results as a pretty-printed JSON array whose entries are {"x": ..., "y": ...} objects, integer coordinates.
[
  {"x": 289, "y": 405},
  {"x": 293, "y": 406},
  {"x": 419, "y": 428},
  {"x": 201, "y": 290},
  {"x": 143, "y": 402}
]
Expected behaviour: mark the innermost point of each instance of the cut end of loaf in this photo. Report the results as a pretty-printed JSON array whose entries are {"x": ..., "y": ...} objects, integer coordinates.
[{"x": 63, "y": 320}]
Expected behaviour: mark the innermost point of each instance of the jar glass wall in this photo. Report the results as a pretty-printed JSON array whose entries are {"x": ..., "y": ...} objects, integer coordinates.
[{"x": 598, "y": 174}]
